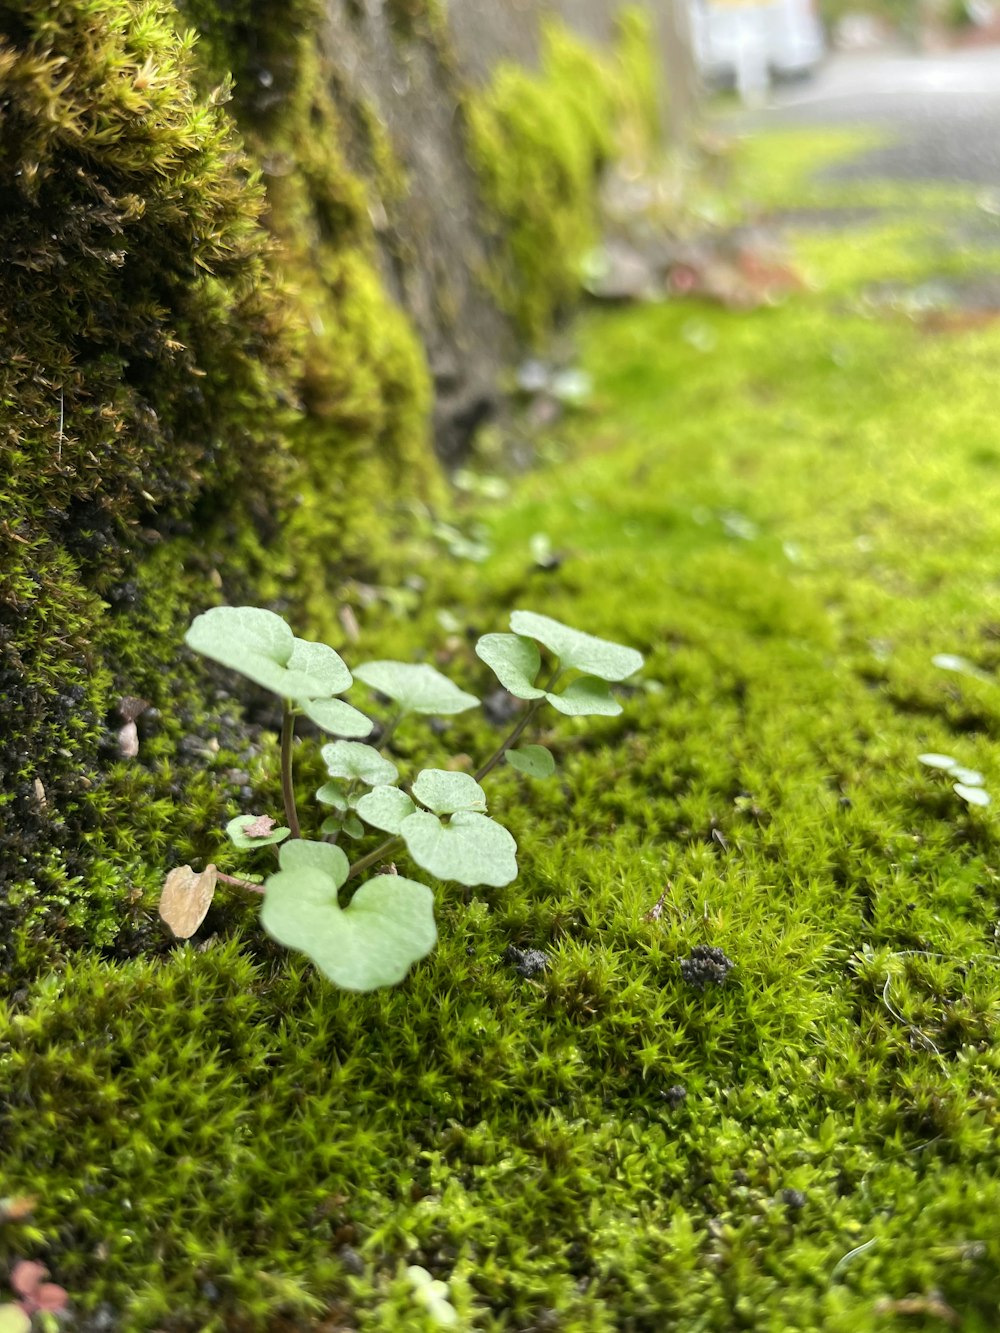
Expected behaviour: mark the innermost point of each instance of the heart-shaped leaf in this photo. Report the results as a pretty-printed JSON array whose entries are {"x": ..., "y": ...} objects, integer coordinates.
[
  {"x": 445, "y": 792},
  {"x": 338, "y": 718},
  {"x": 586, "y": 697},
  {"x": 582, "y": 652},
  {"x": 353, "y": 826},
  {"x": 236, "y": 831},
  {"x": 303, "y": 854},
  {"x": 186, "y": 898},
  {"x": 334, "y": 794},
  {"x": 534, "y": 761},
  {"x": 260, "y": 646},
  {"x": 470, "y": 848},
  {"x": 388, "y": 925},
  {"x": 358, "y": 763},
  {"x": 385, "y": 808},
  {"x": 514, "y": 661},
  {"x": 417, "y": 688}
]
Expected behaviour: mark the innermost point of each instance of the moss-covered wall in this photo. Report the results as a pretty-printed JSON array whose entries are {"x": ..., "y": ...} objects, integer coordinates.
[
  {"x": 190, "y": 408},
  {"x": 250, "y": 256}
]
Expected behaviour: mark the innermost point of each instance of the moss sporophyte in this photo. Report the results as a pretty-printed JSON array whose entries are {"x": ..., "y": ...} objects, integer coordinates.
[{"x": 440, "y": 817}]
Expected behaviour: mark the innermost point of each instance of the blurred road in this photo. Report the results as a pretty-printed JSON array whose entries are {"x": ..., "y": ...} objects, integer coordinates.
[{"x": 945, "y": 109}]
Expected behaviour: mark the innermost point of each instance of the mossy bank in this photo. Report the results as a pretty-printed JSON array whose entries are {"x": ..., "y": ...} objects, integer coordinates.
[
  {"x": 213, "y": 387},
  {"x": 790, "y": 512}
]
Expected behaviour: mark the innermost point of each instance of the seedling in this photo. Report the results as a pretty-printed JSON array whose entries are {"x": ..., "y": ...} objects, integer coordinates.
[{"x": 440, "y": 817}]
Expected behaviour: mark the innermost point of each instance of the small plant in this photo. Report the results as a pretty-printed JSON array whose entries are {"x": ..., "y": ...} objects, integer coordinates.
[{"x": 440, "y": 817}]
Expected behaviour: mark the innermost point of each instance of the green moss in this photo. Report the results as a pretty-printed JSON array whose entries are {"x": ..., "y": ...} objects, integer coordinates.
[
  {"x": 145, "y": 356},
  {"x": 206, "y": 1131},
  {"x": 538, "y": 142}
]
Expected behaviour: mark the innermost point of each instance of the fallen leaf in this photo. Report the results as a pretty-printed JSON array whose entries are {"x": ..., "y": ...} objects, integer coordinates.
[
  {"x": 931, "y": 1305},
  {"x": 26, "y": 1277},
  {"x": 130, "y": 707},
  {"x": 50, "y": 1298},
  {"x": 260, "y": 828},
  {"x": 186, "y": 898},
  {"x": 17, "y": 1207}
]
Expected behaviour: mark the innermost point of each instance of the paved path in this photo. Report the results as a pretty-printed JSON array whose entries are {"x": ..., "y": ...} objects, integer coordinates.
[{"x": 945, "y": 110}]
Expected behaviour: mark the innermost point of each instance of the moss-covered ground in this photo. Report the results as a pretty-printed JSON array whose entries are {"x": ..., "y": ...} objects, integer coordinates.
[{"x": 790, "y": 512}]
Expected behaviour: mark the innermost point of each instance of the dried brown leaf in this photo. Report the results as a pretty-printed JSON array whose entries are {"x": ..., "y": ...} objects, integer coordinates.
[
  {"x": 261, "y": 827},
  {"x": 186, "y": 898},
  {"x": 931, "y": 1305},
  {"x": 128, "y": 741}
]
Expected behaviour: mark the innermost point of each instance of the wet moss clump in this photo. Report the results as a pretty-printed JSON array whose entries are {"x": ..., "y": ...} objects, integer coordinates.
[
  {"x": 142, "y": 391},
  {"x": 539, "y": 141}
]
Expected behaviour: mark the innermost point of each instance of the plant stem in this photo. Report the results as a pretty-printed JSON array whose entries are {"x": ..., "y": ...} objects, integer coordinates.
[
  {"x": 518, "y": 731},
  {"x": 238, "y": 883},
  {"x": 287, "y": 781},
  {"x": 390, "y": 728},
  {"x": 377, "y": 855},
  {"x": 505, "y": 745}
]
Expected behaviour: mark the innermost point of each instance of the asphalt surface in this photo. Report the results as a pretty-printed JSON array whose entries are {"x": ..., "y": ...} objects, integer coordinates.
[{"x": 943, "y": 112}]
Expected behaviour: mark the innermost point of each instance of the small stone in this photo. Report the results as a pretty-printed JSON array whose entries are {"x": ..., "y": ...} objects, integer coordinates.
[
  {"x": 794, "y": 1199},
  {"x": 675, "y": 1095},
  {"x": 500, "y": 708},
  {"x": 529, "y": 962},
  {"x": 707, "y": 965},
  {"x": 351, "y": 1261}
]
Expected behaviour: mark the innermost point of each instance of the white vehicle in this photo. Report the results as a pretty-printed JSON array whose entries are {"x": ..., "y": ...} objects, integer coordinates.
[{"x": 746, "y": 43}]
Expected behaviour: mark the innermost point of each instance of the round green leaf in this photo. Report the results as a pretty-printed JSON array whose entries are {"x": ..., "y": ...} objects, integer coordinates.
[
  {"x": 13, "y": 1319},
  {"x": 333, "y": 793},
  {"x": 359, "y": 763},
  {"x": 235, "y": 827},
  {"x": 385, "y": 808},
  {"x": 338, "y": 717},
  {"x": 353, "y": 826},
  {"x": 260, "y": 646},
  {"x": 388, "y": 925},
  {"x": 445, "y": 792},
  {"x": 417, "y": 688},
  {"x": 514, "y": 661},
  {"x": 972, "y": 795},
  {"x": 534, "y": 761},
  {"x": 931, "y": 760},
  {"x": 322, "y": 664},
  {"x": 470, "y": 848},
  {"x": 583, "y": 652},
  {"x": 586, "y": 697},
  {"x": 303, "y": 854}
]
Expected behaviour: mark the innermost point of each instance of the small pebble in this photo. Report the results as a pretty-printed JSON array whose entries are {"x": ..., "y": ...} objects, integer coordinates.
[
  {"x": 529, "y": 962},
  {"x": 707, "y": 965}
]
